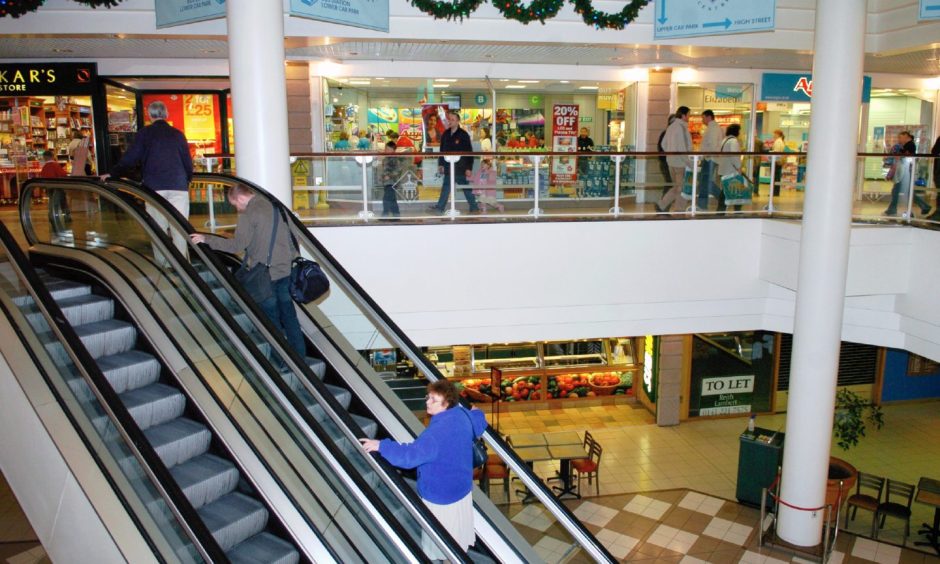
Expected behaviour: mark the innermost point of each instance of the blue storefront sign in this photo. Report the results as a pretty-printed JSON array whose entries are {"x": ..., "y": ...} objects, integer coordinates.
[
  {"x": 368, "y": 14},
  {"x": 782, "y": 87},
  {"x": 693, "y": 18},
  {"x": 178, "y": 12},
  {"x": 929, "y": 10}
]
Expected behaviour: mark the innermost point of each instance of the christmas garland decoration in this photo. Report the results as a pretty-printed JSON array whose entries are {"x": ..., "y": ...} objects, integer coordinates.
[
  {"x": 444, "y": 10},
  {"x": 16, "y": 8},
  {"x": 538, "y": 10},
  {"x": 604, "y": 20}
]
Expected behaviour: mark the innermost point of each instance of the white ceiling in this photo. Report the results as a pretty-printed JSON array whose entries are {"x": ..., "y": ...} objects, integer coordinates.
[{"x": 921, "y": 61}]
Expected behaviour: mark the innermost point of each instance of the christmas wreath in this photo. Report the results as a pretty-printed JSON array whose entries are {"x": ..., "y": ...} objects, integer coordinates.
[
  {"x": 540, "y": 10},
  {"x": 599, "y": 19},
  {"x": 16, "y": 8},
  {"x": 443, "y": 10}
]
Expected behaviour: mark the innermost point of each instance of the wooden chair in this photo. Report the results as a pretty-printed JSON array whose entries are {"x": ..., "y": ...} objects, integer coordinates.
[
  {"x": 889, "y": 508},
  {"x": 590, "y": 466},
  {"x": 871, "y": 483}
]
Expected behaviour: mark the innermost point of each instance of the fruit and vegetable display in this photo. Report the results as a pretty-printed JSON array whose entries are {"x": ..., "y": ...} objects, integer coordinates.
[{"x": 563, "y": 386}]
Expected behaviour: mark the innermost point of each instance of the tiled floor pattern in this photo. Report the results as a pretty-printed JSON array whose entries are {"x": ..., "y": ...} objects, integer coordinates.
[{"x": 683, "y": 526}]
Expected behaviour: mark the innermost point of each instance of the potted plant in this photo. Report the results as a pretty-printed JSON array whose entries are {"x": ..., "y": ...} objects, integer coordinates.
[{"x": 853, "y": 415}]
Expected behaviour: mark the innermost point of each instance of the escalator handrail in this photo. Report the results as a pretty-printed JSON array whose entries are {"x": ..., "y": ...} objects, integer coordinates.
[
  {"x": 304, "y": 420},
  {"x": 311, "y": 383},
  {"x": 156, "y": 471},
  {"x": 493, "y": 440}
]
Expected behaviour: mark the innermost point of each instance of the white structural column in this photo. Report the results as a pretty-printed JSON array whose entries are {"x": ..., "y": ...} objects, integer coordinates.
[
  {"x": 824, "y": 254},
  {"x": 259, "y": 94}
]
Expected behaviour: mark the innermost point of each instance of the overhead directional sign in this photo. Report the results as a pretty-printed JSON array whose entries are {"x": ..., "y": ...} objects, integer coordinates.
[
  {"x": 692, "y": 18},
  {"x": 929, "y": 10},
  {"x": 179, "y": 12}
]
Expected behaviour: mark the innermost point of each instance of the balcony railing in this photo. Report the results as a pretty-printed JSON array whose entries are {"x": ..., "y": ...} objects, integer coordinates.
[{"x": 366, "y": 187}]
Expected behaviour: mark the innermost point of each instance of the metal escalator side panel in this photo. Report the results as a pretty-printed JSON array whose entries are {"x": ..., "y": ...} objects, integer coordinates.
[{"x": 159, "y": 511}]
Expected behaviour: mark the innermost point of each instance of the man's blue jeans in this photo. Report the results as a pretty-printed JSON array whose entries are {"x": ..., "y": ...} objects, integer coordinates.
[
  {"x": 445, "y": 192},
  {"x": 280, "y": 310}
]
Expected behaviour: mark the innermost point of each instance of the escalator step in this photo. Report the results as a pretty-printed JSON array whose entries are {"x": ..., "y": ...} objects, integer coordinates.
[
  {"x": 111, "y": 336},
  {"x": 342, "y": 395},
  {"x": 87, "y": 308},
  {"x": 317, "y": 366},
  {"x": 179, "y": 440},
  {"x": 234, "y": 518},
  {"x": 368, "y": 426},
  {"x": 242, "y": 319},
  {"x": 154, "y": 404},
  {"x": 62, "y": 289},
  {"x": 129, "y": 370},
  {"x": 205, "y": 478},
  {"x": 264, "y": 549}
]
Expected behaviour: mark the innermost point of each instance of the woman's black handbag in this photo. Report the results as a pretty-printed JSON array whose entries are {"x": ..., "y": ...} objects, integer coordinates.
[
  {"x": 307, "y": 281},
  {"x": 256, "y": 281},
  {"x": 479, "y": 448}
]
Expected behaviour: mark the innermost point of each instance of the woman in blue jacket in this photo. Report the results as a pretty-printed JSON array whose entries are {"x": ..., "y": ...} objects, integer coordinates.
[{"x": 443, "y": 455}]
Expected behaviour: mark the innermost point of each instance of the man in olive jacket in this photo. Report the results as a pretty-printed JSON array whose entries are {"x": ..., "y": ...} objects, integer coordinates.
[{"x": 253, "y": 236}]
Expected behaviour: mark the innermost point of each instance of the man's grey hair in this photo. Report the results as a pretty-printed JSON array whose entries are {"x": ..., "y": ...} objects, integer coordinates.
[{"x": 157, "y": 110}]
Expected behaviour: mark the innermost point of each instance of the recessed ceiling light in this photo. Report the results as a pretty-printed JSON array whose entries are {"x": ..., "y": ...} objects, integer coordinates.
[
  {"x": 588, "y": 87},
  {"x": 504, "y": 80},
  {"x": 360, "y": 82},
  {"x": 377, "y": 78},
  {"x": 527, "y": 81},
  {"x": 515, "y": 86},
  {"x": 564, "y": 81},
  {"x": 446, "y": 80},
  {"x": 436, "y": 85}
]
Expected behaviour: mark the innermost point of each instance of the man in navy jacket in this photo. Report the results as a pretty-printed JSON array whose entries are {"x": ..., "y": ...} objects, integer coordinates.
[
  {"x": 455, "y": 140},
  {"x": 162, "y": 152},
  {"x": 166, "y": 166}
]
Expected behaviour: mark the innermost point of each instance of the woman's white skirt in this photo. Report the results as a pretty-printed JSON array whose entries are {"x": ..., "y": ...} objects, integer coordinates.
[{"x": 457, "y": 519}]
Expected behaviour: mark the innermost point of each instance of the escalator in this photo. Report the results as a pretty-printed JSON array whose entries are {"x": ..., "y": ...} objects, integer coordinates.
[
  {"x": 346, "y": 321},
  {"x": 140, "y": 297}
]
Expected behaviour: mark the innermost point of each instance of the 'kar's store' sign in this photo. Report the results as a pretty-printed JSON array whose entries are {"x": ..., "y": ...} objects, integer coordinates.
[{"x": 48, "y": 79}]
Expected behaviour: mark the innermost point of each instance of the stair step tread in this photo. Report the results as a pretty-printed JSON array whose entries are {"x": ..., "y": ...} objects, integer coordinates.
[
  {"x": 205, "y": 478},
  {"x": 86, "y": 308},
  {"x": 266, "y": 548},
  {"x": 154, "y": 404},
  {"x": 129, "y": 370},
  {"x": 179, "y": 440},
  {"x": 368, "y": 426},
  {"x": 234, "y": 518},
  {"x": 62, "y": 289},
  {"x": 111, "y": 336}
]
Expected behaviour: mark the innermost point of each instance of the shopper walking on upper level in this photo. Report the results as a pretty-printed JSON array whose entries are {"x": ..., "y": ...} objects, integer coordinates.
[
  {"x": 455, "y": 140},
  {"x": 935, "y": 216},
  {"x": 162, "y": 153},
  {"x": 663, "y": 165},
  {"x": 902, "y": 177},
  {"x": 779, "y": 146},
  {"x": 676, "y": 140},
  {"x": 711, "y": 143}
]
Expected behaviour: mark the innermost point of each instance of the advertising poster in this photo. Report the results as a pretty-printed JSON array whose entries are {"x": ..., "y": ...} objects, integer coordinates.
[
  {"x": 434, "y": 120},
  {"x": 199, "y": 116},
  {"x": 564, "y": 140}
]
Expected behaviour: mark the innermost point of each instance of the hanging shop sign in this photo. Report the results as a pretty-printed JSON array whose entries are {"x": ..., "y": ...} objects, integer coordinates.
[
  {"x": 929, "y": 10},
  {"x": 612, "y": 102},
  {"x": 564, "y": 140},
  {"x": 368, "y": 14},
  {"x": 170, "y": 13},
  {"x": 48, "y": 79},
  {"x": 726, "y": 395},
  {"x": 480, "y": 99},
  {"x": 693, "y": 18},
  {"x": 784, "y": 87}
]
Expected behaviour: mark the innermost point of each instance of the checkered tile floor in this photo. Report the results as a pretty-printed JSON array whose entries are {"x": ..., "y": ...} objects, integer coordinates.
[{"x": 681, "y": 526}]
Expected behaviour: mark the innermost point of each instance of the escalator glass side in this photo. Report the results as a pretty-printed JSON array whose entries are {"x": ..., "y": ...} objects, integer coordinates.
[
  {"x": 143, "y": 497},
  {"x": 98, "y": 222},
  {"x": 354, "y": 322},
  {"x": 326, "y": 403}
]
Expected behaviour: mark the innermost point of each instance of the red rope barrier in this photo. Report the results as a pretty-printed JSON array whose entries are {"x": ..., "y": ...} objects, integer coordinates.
[{"x": 790, "y": 505}]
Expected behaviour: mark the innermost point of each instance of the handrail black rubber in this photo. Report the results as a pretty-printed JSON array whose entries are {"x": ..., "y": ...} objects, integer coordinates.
[
  {"x": 492, "y": 437},
  {"x": 95, "y": 379}
]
